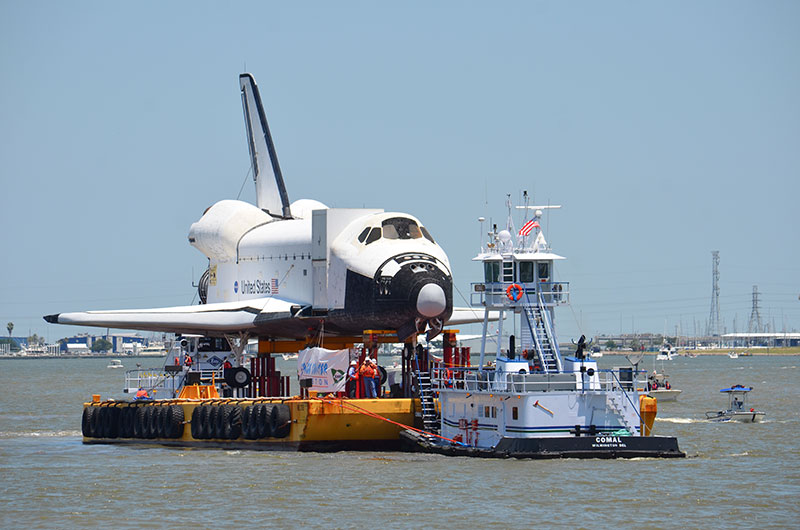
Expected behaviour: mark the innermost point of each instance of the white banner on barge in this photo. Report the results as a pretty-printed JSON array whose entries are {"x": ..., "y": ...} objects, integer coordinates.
[{"x": 325, "y": 368}]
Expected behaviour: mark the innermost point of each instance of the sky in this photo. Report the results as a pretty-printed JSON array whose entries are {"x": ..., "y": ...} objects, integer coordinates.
[{"x": 665, "y": 130}]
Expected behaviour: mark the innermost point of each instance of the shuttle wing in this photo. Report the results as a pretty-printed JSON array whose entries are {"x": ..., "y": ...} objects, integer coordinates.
[{"x": 207, "y": 319}]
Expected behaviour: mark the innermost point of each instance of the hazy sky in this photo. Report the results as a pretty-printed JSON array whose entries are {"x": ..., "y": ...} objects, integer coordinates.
[{"x": 666, "y": 130}]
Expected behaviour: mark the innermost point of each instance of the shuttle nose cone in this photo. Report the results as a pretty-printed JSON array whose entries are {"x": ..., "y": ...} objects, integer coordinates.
[{"x": 431, "y": 301}]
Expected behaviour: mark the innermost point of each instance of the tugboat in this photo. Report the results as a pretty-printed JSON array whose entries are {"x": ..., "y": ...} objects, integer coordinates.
[
  {"x": 737, "y": 407},
  {"x": 535, "y": 402}
]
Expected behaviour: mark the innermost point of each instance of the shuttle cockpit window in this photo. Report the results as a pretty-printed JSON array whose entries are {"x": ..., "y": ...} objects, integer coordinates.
[
  {"x": 427, "y": 235},
  {"x": 526, "y": 271},
  {"x": 401, "y": 228},
  {"x": 374, "y": 235},
  {"x": 363, "y": 235}
]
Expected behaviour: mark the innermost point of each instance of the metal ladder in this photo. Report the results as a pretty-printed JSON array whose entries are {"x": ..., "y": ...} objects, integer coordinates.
[
  {"x": 430, "y": 421},
  {"x": 540, "y": 332},
  {"x": 615, "y": 404}
]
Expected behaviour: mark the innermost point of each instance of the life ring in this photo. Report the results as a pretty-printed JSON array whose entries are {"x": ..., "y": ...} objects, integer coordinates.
[{"x": 514, "y": 292}]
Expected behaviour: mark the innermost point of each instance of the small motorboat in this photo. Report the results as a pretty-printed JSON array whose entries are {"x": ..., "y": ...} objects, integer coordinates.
[
  {"x": 733, "y": 355},
  {"x": 666, "y": 353},
  {"x": 659, "y": 387},
  {"x": 737, "y": 409},
  {"x": 115, "y": 363}
]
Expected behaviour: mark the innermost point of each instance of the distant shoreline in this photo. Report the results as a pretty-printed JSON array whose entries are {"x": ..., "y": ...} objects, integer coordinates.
[
  {"x": 751, "y": 352},
  {"x": 121, "y": 357}
]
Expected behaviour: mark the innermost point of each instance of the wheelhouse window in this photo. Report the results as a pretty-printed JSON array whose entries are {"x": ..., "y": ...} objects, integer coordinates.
[
  {"x": 491, "y": 271},
  {"x": 401, "y": 228},
  {"x": 544, "y": 270},
  {"x": 526, "y": 271}
]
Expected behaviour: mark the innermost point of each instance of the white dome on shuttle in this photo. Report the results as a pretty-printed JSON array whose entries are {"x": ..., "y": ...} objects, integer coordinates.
[{"x": 302, "y": 208}]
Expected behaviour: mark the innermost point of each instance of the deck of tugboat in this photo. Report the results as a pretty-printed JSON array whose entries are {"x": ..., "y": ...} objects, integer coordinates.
[{"x": 474, "y": 379}]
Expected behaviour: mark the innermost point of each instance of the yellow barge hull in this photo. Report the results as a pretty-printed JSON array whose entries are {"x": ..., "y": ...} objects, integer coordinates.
[{"x": 314, "y": 424}]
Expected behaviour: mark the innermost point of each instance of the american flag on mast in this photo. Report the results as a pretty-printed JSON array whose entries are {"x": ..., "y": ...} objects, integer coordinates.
[{"x": 528, "y": 227}]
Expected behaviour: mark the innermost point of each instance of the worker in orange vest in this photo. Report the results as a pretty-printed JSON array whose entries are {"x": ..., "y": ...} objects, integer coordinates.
[
  {"x": 367, "y": 373},
  {"x": 142, "y": 394}
]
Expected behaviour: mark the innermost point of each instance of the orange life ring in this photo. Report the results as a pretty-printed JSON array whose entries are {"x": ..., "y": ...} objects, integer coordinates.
[{"x": 514, "y": 292}]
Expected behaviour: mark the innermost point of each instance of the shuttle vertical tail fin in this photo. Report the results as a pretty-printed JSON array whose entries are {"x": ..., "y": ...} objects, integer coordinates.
[{"x": 270, "y": 190}]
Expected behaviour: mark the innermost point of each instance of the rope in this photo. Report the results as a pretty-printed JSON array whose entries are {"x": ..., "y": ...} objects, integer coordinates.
[{"x": 356, "y": 408}]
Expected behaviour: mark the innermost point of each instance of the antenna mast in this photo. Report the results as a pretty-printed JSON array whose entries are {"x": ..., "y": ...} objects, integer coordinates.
[{"x": 713, "y": 319}]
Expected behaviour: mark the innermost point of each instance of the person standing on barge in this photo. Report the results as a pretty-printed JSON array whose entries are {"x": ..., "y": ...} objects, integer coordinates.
[
  {"x": 367, "y": 373},
  {"x": 352, "y": 379}
]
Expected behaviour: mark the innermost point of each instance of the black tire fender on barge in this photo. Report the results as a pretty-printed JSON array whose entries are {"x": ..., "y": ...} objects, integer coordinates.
[
  {"x": 110, "y": 422},
  {"x": 280, "y": 420},
  {"x": 205, "y": 418},
  {"x": 211, "y": 421},
  {"x": 222, "y": 425},
  {"x": 151, "y": 417},
  {"x": 86, "y": 421},
  {"x": 263, "y": 415},
  {"x": 95, "y": 424},
  {"x": 196, "y": 423},
  {"x": 247, "y": 422},
  {"x": 139, "y": 423},
  {"x": 125, "y": 423},
  {"x": 102, "y": 422},
  {"x": 159, "y": 416},
  {"x": 234, "y": 426},
  {"x": 174, "y": 418}
]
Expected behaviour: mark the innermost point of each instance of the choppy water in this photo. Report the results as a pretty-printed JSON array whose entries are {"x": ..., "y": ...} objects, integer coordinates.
[{"x": 747, "y": 476}]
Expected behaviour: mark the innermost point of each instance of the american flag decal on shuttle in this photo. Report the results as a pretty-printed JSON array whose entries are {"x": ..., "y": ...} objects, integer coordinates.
[{"x": 274, "y": 285}]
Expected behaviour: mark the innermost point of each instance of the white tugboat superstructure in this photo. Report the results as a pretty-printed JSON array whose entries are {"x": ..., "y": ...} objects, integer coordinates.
[{"x": 536, "y": 402}]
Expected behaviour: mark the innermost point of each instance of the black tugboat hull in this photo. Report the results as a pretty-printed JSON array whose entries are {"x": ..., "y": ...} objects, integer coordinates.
[{"x": 561, "y": 447}]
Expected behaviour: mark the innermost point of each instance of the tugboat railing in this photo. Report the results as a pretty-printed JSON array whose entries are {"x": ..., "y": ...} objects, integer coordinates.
[
  {"x": 471, "y": 379},
  {"x": 172, "y": 381},
  {"x": 493, "y": 294}
]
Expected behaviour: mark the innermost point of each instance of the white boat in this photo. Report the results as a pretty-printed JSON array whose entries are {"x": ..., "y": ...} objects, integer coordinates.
[
  {"x": 666, "y": 353},
  {"x": 115, "y": 363},
  {"x": 733, "y": 355},
  {"x": 659, "y": 387},
  {"x": 533, "y": 402},
  {"x": 737, "y": 409}
]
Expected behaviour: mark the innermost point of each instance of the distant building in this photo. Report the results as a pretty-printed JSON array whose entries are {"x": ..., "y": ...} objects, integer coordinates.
[{"x": 768, "y": 340}]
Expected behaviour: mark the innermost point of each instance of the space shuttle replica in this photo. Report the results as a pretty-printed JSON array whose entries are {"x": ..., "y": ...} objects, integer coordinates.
[{"x": 298, "y": 270}]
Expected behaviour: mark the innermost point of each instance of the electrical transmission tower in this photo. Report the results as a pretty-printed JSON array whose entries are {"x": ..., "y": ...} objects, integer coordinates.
[
  {"x": 713, "y": 318},
  {"x": 755, "y": 317}
]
